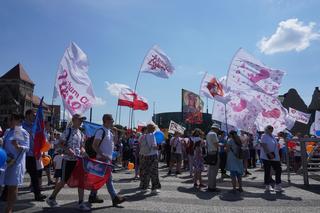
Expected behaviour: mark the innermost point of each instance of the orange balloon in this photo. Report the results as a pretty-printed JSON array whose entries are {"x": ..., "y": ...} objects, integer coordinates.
[
  {"x": 46, "y": 147},
  {"x": 309, "y": 148},
  {"x": 46, "y": 160},
  {"x": 130, "y": 166}
]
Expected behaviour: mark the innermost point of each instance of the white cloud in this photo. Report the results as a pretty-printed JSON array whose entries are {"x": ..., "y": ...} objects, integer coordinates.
[
  {"x": 290, "y": 35},
  {"x": 115, "y": 88},
  {"x": 99, "y": 102}
]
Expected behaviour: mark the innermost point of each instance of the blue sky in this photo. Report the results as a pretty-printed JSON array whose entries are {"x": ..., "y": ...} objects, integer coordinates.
[{"x": 198, "y": 36}]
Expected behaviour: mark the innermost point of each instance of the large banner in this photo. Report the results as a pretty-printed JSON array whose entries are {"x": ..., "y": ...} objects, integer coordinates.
[
  {"x": 192, "y": 107},
  {"x": 175, "y": 127},
  {"x": 299, "y": 116},
  {"x": 73, "y": 83}
]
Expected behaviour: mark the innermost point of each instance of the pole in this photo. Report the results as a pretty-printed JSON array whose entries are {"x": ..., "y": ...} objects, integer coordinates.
[
  {"x": 90, "y": 115},
  {"x": 304, "y": 162},
  {"x": 225, "y": 114},
  {"x": 120, "y": 115},
  {"x": 117, "y": 114},
  {"x": 288, "y": 161},
  {"x": 207, "y": 106}
]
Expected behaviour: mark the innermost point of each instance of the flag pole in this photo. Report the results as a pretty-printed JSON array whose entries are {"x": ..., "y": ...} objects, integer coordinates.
[
  {"x": 135, "y": 87},
  {"x": 90, "y": 114},
  {"x": 117, "y": 114},
  {"x": 120, "y": 115}
]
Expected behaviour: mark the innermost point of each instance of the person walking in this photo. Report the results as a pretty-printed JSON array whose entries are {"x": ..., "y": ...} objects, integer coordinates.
[
  {"x": 31, "y": 161},
  {"x": 16, "y": 144},
  {"x": 234, "y": 160},
  {"x": 212, "y": 147},
  {"x": 149, "y": 162},
  {"x": 103, "y": 144},
  {"x": 270, "y": 157},
  {"x": 72, "y": 141}
]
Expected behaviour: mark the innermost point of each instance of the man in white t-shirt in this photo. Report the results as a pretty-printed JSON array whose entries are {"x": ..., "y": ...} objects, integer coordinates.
[
  {"x": 270, "y": 157},
  {"x": 104, "y": 148},
  {"x": 212, "y": 147},
  {"x": 176, "y": 153}
]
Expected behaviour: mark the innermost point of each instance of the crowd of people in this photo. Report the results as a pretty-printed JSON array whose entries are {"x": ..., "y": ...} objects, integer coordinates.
[{"x": 232, "y": 153}]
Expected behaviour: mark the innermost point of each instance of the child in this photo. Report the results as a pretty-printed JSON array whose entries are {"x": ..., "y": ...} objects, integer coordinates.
[{"x": 57, "y": 163}]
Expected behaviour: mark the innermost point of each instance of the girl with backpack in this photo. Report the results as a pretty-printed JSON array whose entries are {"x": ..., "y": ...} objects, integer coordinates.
[{"x": 235, "y": 160}]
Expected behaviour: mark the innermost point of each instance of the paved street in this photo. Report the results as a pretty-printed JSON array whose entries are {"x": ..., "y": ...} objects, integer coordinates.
[{"x": 178, "y": 195}]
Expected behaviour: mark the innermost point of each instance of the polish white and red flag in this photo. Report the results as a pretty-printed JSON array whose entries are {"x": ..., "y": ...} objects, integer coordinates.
[
  {"x": 129, "y": 98},
  {"x": 157, "y": 63}
]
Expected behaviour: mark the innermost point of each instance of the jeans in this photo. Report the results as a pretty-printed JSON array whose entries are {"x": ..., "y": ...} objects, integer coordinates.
[
  {"x": 212, "y": 175},
  {"x": 276, "y": 165},
  {"x": 110, "y": 188}
]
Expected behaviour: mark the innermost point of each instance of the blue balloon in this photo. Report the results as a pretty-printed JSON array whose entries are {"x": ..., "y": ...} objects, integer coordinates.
[
  {"x": 318, "y": 133},
  {"x": 114, "y": 155},
  {"x": 159, "y": 137},
  {"x": 3, "y": 157}
]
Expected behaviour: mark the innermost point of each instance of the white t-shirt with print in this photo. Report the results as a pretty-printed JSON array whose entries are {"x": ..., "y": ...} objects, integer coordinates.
[{"x": 75, "y": 142}]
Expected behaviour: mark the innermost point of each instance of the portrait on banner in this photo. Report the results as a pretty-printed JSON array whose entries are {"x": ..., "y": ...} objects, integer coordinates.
[{"x": 192, "y": 107}]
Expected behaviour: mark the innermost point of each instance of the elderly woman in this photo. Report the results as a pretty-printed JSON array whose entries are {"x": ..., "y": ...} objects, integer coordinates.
[
  {"x": 16, "y": 144},
  {"x": 149, "y": 161}
]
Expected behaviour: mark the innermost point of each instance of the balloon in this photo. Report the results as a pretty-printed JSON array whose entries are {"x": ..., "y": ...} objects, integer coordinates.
[
  {"x": 46, "y": 160},
  {"x": 3, "y": 157},
  {"x": 318, "y": 133},
  {"x": 46, "y": 147},
  {"x": 159, "y": 137},
  {"x": 114, "y": 155},
  {"x": 130, "y": 166},
  {"x": 309, "y": 148}
]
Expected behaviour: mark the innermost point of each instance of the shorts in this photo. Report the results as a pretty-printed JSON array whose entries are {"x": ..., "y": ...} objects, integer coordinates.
[
  {"x": 57, "y": 173},
  {"x": 176, "y": 157},
  {"x": 67, "y": 169},
  {"x": 235, "y": 174}
]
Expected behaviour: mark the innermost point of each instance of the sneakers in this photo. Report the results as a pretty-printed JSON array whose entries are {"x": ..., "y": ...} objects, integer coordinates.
[
  {"x": 52, "y": 203},
  {"x": 83, "y": 207},
  {"x": 155, "y": 191},
  {"x": 117, "y": 200},
  {"x": 269, "y": 188},
  {"x": 95, "y": 199},
  {"x": 278, "y": 188}
]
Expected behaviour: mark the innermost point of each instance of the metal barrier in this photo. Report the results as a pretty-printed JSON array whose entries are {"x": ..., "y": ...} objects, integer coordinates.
[{"x": 304, "y": 157}]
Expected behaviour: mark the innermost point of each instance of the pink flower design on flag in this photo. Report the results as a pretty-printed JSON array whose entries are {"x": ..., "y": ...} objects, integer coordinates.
[
  {"x": 239, "y": 107},
  {"x": 274, "y": 113},
  {"x": 263, "y": 74}
]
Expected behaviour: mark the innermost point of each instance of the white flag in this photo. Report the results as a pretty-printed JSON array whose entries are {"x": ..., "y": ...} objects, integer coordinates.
[
  {"x": 247, "y": 73},
  {"x": 175, "y": 127},
  {"x": 299, "y": 116},
  {"x": 317, "y": 121},
  {"x": 73, "y": 83},
  {"x": 157, "y": 63},
  {"x": 213, "y": 89}
]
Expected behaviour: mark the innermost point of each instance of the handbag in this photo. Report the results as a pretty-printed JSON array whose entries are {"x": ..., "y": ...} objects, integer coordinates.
[{"x": 211, "y": 158}]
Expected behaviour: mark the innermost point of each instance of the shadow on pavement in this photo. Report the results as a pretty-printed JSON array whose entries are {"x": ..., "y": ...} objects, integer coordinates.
[
  {"x": 20, "y": 205},
  {"x": 229, "y": 196},
  {"x": 311, "y": 188},
  {"x": 203, "y": 195}
]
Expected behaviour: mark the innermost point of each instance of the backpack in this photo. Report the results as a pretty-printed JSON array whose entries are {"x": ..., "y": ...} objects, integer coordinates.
[{"x": 89, "y": 144}]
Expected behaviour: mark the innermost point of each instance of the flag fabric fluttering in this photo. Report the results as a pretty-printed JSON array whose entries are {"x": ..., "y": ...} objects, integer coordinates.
[
  {"x": 38, "y": 132},
  {"x": 90, "y": 128},
  {"x": 129, "y": 98},
  {"x": 253, "y": 89},
  {"x": 73, "y": 84},
  {"x": 157, "y": 63},
  {"x": 94, "y": 174},
  {"x": 248, "y": 73}
]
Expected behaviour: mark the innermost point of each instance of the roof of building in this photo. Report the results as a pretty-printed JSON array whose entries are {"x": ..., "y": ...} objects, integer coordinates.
[{"x": 17, "y": 72}]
